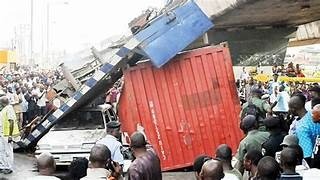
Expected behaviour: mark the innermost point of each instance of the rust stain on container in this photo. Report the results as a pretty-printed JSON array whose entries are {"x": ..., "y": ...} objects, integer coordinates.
[{"x": 187, "y": 108}]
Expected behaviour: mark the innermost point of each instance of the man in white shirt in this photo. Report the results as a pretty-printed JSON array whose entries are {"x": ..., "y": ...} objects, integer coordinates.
[
  {"x": 273, "y": 83},
  {"x": 111, "y": 141},
  {"x": 10, "y": 95},
  {"x": 41, "y": 96},
  {"x": 281, "y": 103},
  {"x": 244, "y": 75}
]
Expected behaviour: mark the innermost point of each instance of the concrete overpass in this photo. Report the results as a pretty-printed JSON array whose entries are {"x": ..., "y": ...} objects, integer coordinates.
[
  {"x": 258, "y": 30},
  {"x": 255, "y": 13}
]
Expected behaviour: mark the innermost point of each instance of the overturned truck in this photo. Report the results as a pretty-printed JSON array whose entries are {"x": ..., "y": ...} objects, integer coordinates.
[{"x": 159, "y": 38}]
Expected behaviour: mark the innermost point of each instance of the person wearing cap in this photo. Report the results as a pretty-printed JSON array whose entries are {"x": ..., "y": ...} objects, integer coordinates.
[
  {"x": 253, "y": 139},
  {"x": 272, "y": 145},
  {"x": 146, "y": 165},
  {"x": 256, "y": 100},
  {"x": 289, "y": 140},
  {"x": 314, "y": 93},
  {"x": 111, "y": 140}
]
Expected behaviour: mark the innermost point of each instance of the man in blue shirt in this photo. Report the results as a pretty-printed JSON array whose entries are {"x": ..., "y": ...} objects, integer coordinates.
[
  {"x": 307, "y": 131},
  {"x": 296, "y": 108}
]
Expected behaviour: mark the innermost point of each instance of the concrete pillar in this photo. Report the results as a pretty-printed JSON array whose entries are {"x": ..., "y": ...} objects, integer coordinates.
[{"x": 67, "y": 74}]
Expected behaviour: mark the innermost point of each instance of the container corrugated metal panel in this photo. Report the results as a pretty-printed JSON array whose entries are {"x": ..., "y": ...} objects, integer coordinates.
[{"x": 187, "y": 108}]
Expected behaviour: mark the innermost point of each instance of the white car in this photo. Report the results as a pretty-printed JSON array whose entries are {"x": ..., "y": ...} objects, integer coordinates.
[{"x": 75, "y": 135}]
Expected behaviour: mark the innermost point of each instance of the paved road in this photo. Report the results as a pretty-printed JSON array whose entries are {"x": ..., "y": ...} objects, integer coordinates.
[{"x": 25, "y": 166}]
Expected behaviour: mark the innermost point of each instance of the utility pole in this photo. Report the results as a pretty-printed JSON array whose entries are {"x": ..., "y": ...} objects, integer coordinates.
[
  {"x": 48, "y": 33},
  {"x": 49, "y": 7},
  {"x": 31, "y": 33}
]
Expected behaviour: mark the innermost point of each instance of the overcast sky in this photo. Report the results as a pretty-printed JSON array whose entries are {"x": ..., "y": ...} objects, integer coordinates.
[{"x": 73, "y": 23}]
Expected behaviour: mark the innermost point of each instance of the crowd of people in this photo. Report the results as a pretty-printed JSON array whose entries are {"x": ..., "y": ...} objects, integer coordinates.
[
  {"x": 280, "y": 122},
  {"x": 23, "y": 99},
  {"x": 27, "y": 90},
  {"x": 281, "y": 126},
  {"x": 291, "y": 71}
]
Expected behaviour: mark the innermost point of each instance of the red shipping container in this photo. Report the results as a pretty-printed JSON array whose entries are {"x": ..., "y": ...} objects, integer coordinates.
[{"x": 187, "y": 108}]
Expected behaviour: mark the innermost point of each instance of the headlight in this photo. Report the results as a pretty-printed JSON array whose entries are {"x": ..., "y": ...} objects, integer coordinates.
[{"x": 87, "y": 145}]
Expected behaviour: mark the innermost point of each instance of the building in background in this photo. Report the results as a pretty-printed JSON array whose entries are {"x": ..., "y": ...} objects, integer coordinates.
[{"x": 8, "y": 59}]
